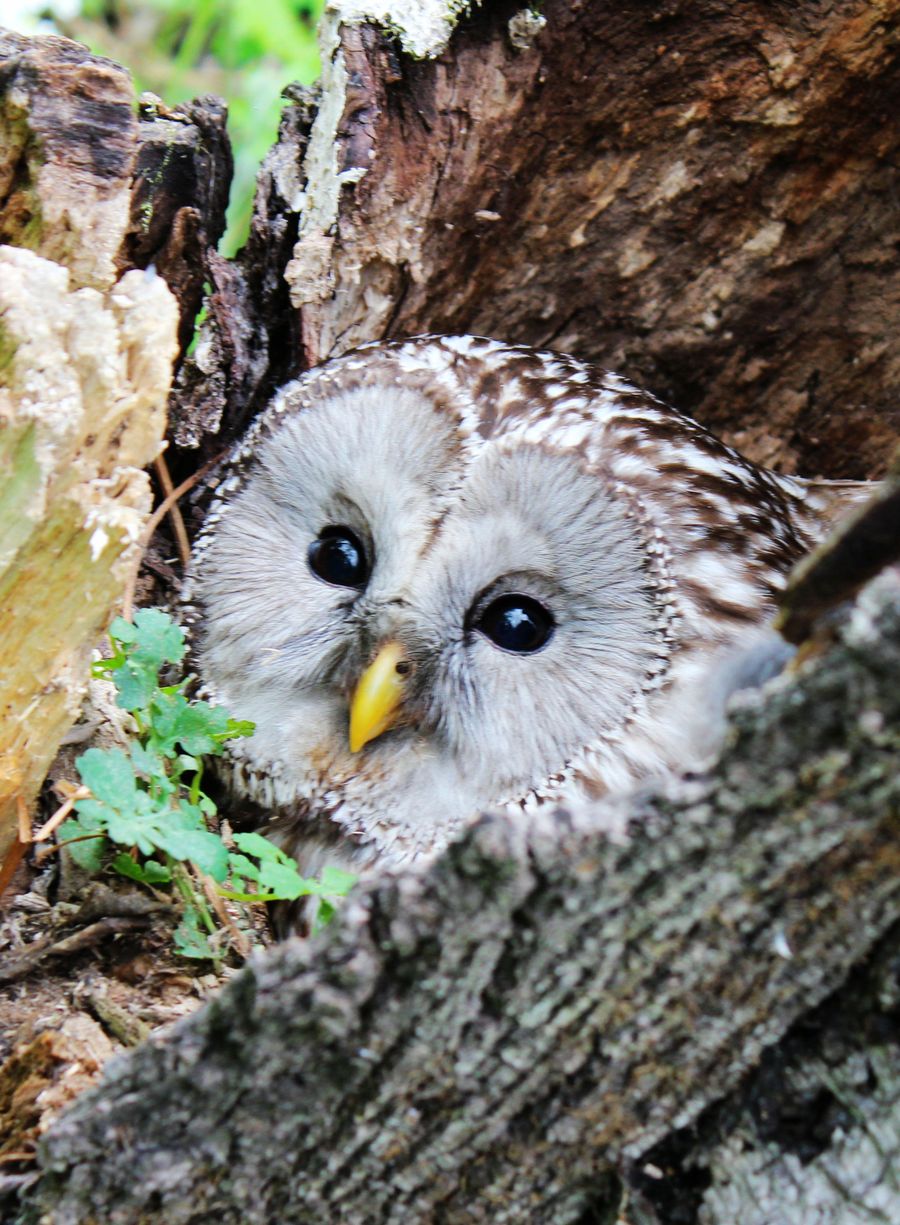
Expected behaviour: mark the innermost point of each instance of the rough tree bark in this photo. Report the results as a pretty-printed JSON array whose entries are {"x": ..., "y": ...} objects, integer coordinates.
[
  {"x": 700, "y": 194},
  {"x": 553, "y": 1002},
  {"x": 685, "y": 1007}
]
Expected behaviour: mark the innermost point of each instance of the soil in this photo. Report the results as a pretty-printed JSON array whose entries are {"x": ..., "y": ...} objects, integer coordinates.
[{"x": 87, "y": 969}]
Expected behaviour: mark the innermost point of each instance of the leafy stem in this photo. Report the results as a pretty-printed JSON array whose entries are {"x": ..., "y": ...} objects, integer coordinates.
[{"x": 149, "y": 801}]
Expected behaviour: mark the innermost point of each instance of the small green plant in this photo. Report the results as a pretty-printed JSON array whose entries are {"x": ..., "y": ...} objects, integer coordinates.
[{"x": 149, "y": 801}]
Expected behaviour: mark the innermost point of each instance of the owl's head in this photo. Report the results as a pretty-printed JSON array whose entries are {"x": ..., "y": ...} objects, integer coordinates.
[{"x": 438, "y": 578}]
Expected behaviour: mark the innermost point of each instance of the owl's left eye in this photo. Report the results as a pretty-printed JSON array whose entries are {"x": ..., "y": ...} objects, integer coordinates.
[
  {"x": 516, "y": 623},
  {"x": 337, "y": 557}
]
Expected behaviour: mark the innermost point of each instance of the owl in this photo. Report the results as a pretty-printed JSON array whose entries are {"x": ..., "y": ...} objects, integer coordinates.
[{"x": 448, "y": 574}]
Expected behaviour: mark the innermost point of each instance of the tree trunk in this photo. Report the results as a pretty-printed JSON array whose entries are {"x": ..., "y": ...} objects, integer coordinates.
[
  {"x": 701, "y": 195},
  {"x": 678, "y": 1008}
]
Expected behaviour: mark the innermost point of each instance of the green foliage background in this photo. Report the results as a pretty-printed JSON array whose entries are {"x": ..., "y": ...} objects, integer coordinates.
[{"x": 244, "y": 50}]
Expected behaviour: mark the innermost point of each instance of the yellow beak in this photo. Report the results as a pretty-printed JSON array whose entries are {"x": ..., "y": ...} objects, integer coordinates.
[{"x": 376, "y": 702}]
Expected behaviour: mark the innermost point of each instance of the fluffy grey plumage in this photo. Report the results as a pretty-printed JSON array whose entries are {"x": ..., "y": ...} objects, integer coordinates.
[{"x": 468, "y": 469}]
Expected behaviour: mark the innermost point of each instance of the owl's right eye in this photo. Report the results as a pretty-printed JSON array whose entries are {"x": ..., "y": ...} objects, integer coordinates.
[{"x": 337, "y": 557}]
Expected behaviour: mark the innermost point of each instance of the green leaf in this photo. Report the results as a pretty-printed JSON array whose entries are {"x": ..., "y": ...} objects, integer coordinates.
[
  {"x": 152, "y": 641},
  {"x": 156, "y": 873},
  {"x": 147, "y": 760},
  {"x": 159, "y": 640},
  {"x": 189, "y": 938},
  {"x": 206, "y": 850},
  {"x": 197, "y": 726},
  {"x": 262, "y": 848},
  {"x": 164, "y": 788},
  {"x": 109, "y": 774},
  {"x": 278, "y": 875},
  {"x": 163, "y": 711},
  {"x": 127, "y": 866},
  {"x": 101, "y": 668},
  {"x": 187, "y": 816},
  {"x": 122, "y": 631},
  {"x": 325, "y": 912},
  {"x": 242, "y": 867},
  {"x": 179, "y": 688},
  {"x": 153, "y": 825},
  {"x": 234, "y": 896},
  {"x": 93, "y": 814},
  {"x": 89, "y": 853},
  {"x": 135, "y": 685},
  {"x": 284, "y": 881},
  {"x": 236, "y": 728},
  {"x": 148, "y": 800},
  {"x": 136, "y": 828},
  {"x": 148, "y": 873},
  {"x": 335, "y": 882}
]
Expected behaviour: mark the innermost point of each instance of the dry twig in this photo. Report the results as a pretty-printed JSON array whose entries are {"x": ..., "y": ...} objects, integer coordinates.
[
  {"x": 153, "y": 523},
  {"x": 181, "y": 536}
]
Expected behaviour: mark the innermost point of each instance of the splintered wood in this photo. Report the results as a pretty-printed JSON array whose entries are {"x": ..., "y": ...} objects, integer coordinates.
[{"x": 85, "y": 367}]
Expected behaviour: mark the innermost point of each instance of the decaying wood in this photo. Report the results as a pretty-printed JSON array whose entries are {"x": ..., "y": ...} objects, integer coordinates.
[
  {"x": 30, "y": 1084},
  {"x": 250, "y": 342},
  {"x": 179, "y": 194},
  {"x": 487, "y": 1041},
  {"x": 67, "y": 147},
  {"x": 40, "y": 951},
  {"x": 700, "y": 195},
  {"x": 88, "y": 195},
  {"x": 82, "y": 403}
]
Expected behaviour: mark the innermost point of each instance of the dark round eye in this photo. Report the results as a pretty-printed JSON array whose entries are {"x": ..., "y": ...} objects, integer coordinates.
[
  {"x": 338, "y": 557},
  {"x": 516, "y": 623}
]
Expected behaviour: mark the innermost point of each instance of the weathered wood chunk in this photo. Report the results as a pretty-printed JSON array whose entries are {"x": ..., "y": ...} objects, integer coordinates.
[{"x": 85, "y": 369}]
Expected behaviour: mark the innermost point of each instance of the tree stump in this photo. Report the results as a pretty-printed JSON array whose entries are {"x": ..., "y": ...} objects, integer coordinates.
[{"x": 681, "y": 1007}]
